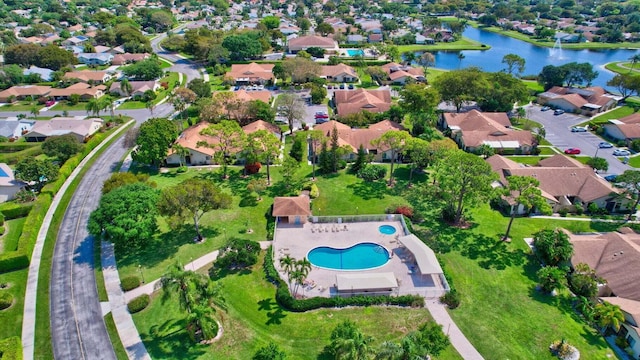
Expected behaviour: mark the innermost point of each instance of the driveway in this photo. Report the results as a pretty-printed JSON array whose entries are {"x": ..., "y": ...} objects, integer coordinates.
[{"x": 558, "y": 129}]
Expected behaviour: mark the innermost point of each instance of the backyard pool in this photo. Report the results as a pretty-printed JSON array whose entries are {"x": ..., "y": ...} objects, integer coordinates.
[
  {"x": 387, "y": 229},
  {"x": 355, "y": 52},
  {"x": 361, "y": 256}
]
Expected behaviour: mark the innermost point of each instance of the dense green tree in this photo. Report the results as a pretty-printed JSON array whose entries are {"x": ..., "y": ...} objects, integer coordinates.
[
  {"x": 463, "y": 180},
  {"x": 242, "y": 47},
  {"x": 145, "y": 70},
  {"x": 459, "y": 86},
  {"x": 515, "y": 64},
  {"x": 119, "y": 179},
  {"x": 270, "y": 22},
  {"x": 552, "y": 278},
  {"x": 154, "y": 139},
  {"x": 259, "y": 110},
  {"x": 584, "y": 281},
  {"x": 551, "y": 76},
  {"x": 524, "y": 192},
  {"x": 22, "y": 54},
  {"x": 395, "y": 142},
  {"x": 579, "y": 73},
  {"x": 629, "y": 182},
  {"x": 126, "y": 216},
  {"x": 230, "y": 139},
  {"x": 54, "y": 57},
  {"x": 201, "y": 88},
  {"x": 628, "y": 85},
  {"x": 418, "y": 98},
  {"x": 418, "y": 153},
  {"x": 291, "y": 107},
  {"x": 598, "y": 163},
  {"x": 61, "y": 147},
  {"x": 36, "y": 172},
  {"x": 553, "y": 246},
  {"x": 318, "y": 94},
  {"x": 349, "y": 343},
  {"x": 502, "y": 92},
  {"x": 316, "y": 52},
  {"x": 324, "y": 29},
  {"x": 304, "y": 24},
  {"x": 191, "y": 198},
  {"x": 237, "y": 254},
  {"x": 265, "y": 147}
]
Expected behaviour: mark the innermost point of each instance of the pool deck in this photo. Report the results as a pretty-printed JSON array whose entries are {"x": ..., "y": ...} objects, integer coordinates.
[{"x": 298, "y": 240}]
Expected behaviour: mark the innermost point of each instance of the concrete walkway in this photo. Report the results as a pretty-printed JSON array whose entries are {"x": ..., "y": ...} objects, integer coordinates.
[
  {"x": 124, "y": 322},
  {"x": 196, "y": 264},
  {"x": 458, "y": 340},
  {"x": 30, "y": 298}
]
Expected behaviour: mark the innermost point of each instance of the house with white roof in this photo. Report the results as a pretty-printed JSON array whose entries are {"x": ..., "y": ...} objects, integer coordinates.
[
  {"x": 81, "y": 129},
  {"x": 9, "y": 186}
]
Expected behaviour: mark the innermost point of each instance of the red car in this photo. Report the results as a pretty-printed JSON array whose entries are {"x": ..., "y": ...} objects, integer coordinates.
[
  {"x": 572, "y": 151},
  {"x": 321, "y": 115},
  {"x": 50, "y": 103}
]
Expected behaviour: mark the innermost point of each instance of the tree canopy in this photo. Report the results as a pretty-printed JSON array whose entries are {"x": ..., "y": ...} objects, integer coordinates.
[
  {"x": 37, "y": 172},
  {"x": 154, "y": 139},
  {"x": 145, "y": 70},
  {"x": 61, "y": 147},
  {"x": 127, "y": 216},
  {"x": 242, "y": 47},
  {"x": 570, "y": 74},
  {"x": 553, "y": 246}
]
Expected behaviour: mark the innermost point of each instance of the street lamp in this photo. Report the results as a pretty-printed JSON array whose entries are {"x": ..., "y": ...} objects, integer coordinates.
[{"x": 141, "y": 273}]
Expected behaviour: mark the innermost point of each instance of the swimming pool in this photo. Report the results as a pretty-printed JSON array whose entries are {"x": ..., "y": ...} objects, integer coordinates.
[
  {"x": 361, "y": 256},
  {"x": 387, "y": 229},
  {"x": 355, "y": 52}
]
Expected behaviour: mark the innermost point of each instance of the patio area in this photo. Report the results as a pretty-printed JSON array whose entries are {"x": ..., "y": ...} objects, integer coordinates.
[{"x": 297, "y": 240}]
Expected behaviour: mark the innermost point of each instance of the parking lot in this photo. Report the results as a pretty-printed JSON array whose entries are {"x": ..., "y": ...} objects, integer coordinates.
[{"x": 558, "y": 133}]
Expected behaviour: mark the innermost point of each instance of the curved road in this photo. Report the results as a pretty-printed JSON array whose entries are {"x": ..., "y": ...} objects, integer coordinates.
[{"x": 77, "y": 326}]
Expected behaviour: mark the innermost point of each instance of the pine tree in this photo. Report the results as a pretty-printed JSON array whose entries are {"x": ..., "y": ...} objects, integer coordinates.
[
  {"x": 334, "y": 156},
  {"x": 324, "y": 159},
  {"x": 361, "y": 160}
]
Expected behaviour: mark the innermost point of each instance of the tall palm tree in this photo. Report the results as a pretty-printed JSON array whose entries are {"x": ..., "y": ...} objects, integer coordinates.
[
  {"x": 126, "y": 87},
  {"x": 182, "y": 152},
  {"x": 355, "y": 347},
  {"x": 288, "y": 264},
  {"x": 609, "y": 315},
  {"x": 93, "y": 106},
  {"x": 179, "y": 281},
  {"x": 106, "y": 103},
  {"x": 634, "y": 60},
  {"x": 35, "y": 111}
]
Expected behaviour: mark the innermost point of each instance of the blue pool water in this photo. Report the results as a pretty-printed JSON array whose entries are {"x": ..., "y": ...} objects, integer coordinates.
[
  {"x": 355, "y": 52},
  {"x": 358, "y": 257},
  {"x": 387, "y": 229},
  {"x": 3, "y": 173}
]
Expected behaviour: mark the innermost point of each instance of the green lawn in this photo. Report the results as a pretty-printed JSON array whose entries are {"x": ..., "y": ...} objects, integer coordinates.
[
  {"x": 433, "y": 73},
  {"x": 64, "y": 105},
  {"x": 528, "y": 160},
  {"x": 501, "y": 313},
  {"x": 254, "y": 318},
  {"x": 623, "y": 67},
  {"x": 462, "y": 44},
  {"x": 365, "y": 79},
  {"x": 13, "y": 230},
  {"x": 533, "y": 86},
  {"x": 11, "y": 318},
  {"x": 21, "y": 106},
  {"x": 613, "y": 114},
  {"x": 634, "y": 161},
  {"x": 171, "y": 80}
]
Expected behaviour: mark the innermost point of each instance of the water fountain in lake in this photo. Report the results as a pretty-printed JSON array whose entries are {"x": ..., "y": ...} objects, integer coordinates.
[{"x": 556, "y": 51}]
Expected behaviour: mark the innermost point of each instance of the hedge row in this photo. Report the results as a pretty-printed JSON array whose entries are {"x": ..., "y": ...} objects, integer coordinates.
[
  {"x": 11, "y": 348},
  {"x": 14, "y": 210},
  {"x": 19, "y": 259},
  {"x": 284, "y": 298},
  {"x": 10, "y": 147},
  {"x": 14, "y": 157}
]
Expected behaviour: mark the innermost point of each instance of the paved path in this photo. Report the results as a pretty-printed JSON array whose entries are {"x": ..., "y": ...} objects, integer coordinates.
[
  {"x": 124, "y": 322},
  {"x": 458, "y": 340},
  {"x": 29, "y": 315}
]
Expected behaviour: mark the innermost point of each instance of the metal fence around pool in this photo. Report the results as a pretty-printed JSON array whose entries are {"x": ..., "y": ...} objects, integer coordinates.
[{"x": 359, "y": 218}]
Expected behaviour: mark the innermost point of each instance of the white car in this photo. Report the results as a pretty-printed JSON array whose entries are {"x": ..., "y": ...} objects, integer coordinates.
[
  {"x": 621, "y": 152},
  {"x": 579, "y": 129}
]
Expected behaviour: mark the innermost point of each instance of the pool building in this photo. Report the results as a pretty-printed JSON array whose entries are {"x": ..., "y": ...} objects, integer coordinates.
[{"x": 359, "y": 255}]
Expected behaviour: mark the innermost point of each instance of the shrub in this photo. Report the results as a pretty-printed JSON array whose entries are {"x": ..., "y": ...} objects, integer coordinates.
[
  {"x": 139, "y": 303},
  {"x": 6, "y": 300},
  {"x": 314, "y": 192},
  {"x": 182, "y": 169},
  {"x": 452, "y": 299},
  {"x": 372, "y": 172},
  {"x": 11, "y": 348},
  {"x": 129, "y": 283},
  {"x": 13, "y": 210},
  {"x": 563, "y": 212},
  {"x": 238, "y": 253},
  {"x": 253, "y": 168}
]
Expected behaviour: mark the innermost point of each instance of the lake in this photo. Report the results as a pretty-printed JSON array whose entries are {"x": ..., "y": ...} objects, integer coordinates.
[{"x": 536, "y": 57}]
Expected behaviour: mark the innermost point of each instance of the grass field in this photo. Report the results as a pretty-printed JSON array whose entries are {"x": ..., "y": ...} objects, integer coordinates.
[
  {"x": 623, "y": 67},
  {"x": 171, "y": 80},
  {"x": 458, "y": 45},
  {"x": 11, "y": 318},
  {"x": 13, "y": 230},
  {"x": 21, "y": 106},
  {"x": 614, "y": 114},
  {"x": 64, "y": 105}
]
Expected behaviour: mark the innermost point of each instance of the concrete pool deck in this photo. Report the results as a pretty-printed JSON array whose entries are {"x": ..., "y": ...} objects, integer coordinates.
[{"x": 297, "y": 240}]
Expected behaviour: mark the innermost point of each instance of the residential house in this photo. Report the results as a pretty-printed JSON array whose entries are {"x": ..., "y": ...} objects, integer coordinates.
[
  {"x": 85, "y": 91},
  {"x": 262, "y": 95},
  {"x": 81, "y": 129},
  {"x": 45, "y": 74},
  {"x": 13, "y": 129},
  {"x": 420, "y": 39},
  {"x": 473, "y": 129},
  {"x": 354, "y": 138},
  {"x": 352, "y": 101},
  {"x": 86, "y": 76},
  {"x": 402, "y": 74},
  {"x": 9, "y": 185},
  {"x": 78, "y": 40},
  {"x": 626, "y": 128},
  {"x": 292, "y": 209},
  {"x": 23, "y": 92},
  {"x": 192, "y": 140},
  {"x": 251, "y": 73},
  {"x": 305, "y": 42},
  {"x": 564, "y": 182},
  {"x": 126, "y": 58},
  {"x": 339, "y": 73},
  {"x": 586, "y": 101},
  {"x": 374, "y": 38},
  {"x": 138, "y": 88},
  {"x": 94, "y": 58},
  {"x": 101, "y": 49},
  {"x": 355, "y": 39}
]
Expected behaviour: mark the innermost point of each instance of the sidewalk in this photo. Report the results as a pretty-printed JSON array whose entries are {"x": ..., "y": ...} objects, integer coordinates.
[
  {"x": 121, "y": 317},
  {"x": 458, "y": 340}
]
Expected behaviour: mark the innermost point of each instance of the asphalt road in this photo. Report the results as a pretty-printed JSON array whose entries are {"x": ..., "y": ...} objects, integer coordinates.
[
  {"x": 77, "y": 327},
  {"x": 558, "y": 129}
]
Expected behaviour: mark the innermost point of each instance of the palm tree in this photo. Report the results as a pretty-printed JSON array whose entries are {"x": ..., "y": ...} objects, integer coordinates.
[
  {"x": 93, "y": 106},
  {"x": 177, "y": 280},
  {"x": 150, "y": 105},
  {"x": 106, "y": 103},
  {"x": 182, "y": 152},
  {"x": 288, "y": 264},
  {"x": 634, "y": 60},
  {"x": 609, "y": 315},
  {"x": 126, "y": 87},
  {"x": 35, "y": 111},
  {"x": 355, "y": 347},
  {"x": 201, "y": 323},
  {"x": 389, "y": 350}
]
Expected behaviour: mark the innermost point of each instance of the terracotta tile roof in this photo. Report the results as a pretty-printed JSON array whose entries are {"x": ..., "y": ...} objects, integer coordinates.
[
  {"x": 82, "y": 89},
  {"x": 630, "y": 131},
  {"x": 559, "y": 160},
  {"x": 121, "y": 59},
  {"x": 305, "y": 42},
  {"x": 478, "y": 128},
  {"x": 86, "y": 75},
  {"x": 395, "y": 71},
  {"x": 614, "y": 256},
  {"x": 476, "y": 120},
  {"x": 631, "y": 119},
  {"x": 579, "y": 181},
  {"x": 27, "y": 90},
  {"x": 262, "y": 95},
  {"x": 354, "y": 138},
  {"x": 288, "y": 206},
  {"x": 335, "y": 70},
  {"x": 260, "y": 125},
  {"x": 353, "y": 101},
  {"x": 191, "y": 136},
  {"x": 252, "y": 71}
]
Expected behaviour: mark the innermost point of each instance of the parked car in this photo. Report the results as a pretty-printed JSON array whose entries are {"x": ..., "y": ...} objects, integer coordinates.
[
  {"x": 342, "y": 86},
  {"x": 558, "y": 112},
  {"x": 321, "y": 120},
  {"x": 611, "y": 178},
  {"x": 350, "y": 86},
  {"x": 321, "y": 115},
  {"x": 605, "y": 145},
  {"x": 621, "y": 152},
  {"x": 545, "y": 108},
  {"x": 329, "y": 86},
  {"x": 572, "y": 151},
  {"x": 50, "y": 103},
  {"x": 579, "y": 129}
]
